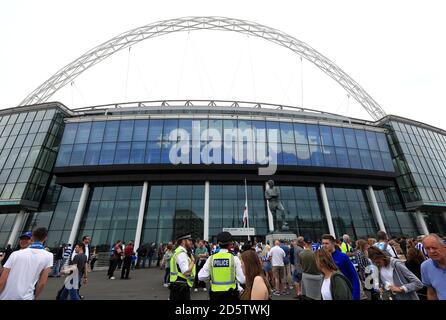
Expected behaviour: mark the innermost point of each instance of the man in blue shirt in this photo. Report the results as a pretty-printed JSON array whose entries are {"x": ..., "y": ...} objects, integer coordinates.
[
  {"x": 343, "y": 263},
  {"x": 433, "y": 271},
  {"x": 286, "y": 262}
]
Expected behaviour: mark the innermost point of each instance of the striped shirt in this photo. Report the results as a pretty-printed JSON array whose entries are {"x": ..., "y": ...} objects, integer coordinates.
[
  {"x": 420, "y": 247},
  {"x": 67, "y": 253}
]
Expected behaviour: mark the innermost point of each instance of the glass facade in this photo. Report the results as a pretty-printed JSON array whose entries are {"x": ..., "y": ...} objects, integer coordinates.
[
  {"x": 187, "y": 141},
  {"x": 227, "y": 203},
  {"x": 304, "y": 210},
  {"x": 420, "y": 158},
  {"x": 172, "y": 210},
  {"x": 6, "y": 224},
  {"x": 351, "y": 212},
  {"x": 28, "y": 150}
]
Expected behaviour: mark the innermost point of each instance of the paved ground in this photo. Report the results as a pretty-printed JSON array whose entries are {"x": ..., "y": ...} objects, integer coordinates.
[{"x": 145, "y": 284}]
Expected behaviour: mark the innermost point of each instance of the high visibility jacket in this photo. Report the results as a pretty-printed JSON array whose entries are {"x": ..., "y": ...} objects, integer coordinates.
[
  {"x": 222, "y": 271},
  {"x": 345, "y": 247},
  {"x": 175, "y": 272}
]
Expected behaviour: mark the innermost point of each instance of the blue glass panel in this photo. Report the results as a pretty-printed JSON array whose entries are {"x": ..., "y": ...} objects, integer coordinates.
[
  {"x": 273, "y": 130},
  {"x": 93, "y": 154},
  {"x": 382, "y": 142},
  {"x": 259, "y": 128},
  {"x": 111, "y": 131},
  {"x": 300, "y": 133},
  {"x": 286, "y": 132},
  {"x": 317, "y": 158},
  {"x": 78, "y": 154},
  {"x": 376, "y": 160},
  {"x": 303, "y": 155},
  {"x": 155, "y": 130},
  {"x": 167, "y": 146},
  {"x": 245, "y": 132},
  {"x": 361, "y": 139},
  {"x": 122, "y": 153},
  {"x": 366, "y": 159},
  {"x": 289, "y": 154},
  {"x": 326, "y": 136},
  {"x": 350, "y": 138},
  {"x": 186, "y": 124},
  {"x": 140, "y": 130},
  {"x": 342, "y": 157},
  {"x": 63, "y": 157},
  {"x": 353, "y": 156},
  {"x": 97, "y": 131},
  {"x": 387, "y": 161},
  {"x": 329, "y": 156},
  {"x": 83, "y": 132},
  {"x": 69, "y": 133},
  {"x": 169, "y": 126},
  {"x": 107, "y": 153},
  {"x": 153, "y": 152},
  {"x": 279, "y": 156},
  {"x": 371, "y": 139},
  {"x": 338, "y": 137},
  {"x": 138, "y": 152},
  {"x": 314, "y": 136},
  {"x": 125, "y": 130}
]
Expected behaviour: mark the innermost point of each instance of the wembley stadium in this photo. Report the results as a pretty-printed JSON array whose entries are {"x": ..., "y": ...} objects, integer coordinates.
[{"x": 149, "y": 171}]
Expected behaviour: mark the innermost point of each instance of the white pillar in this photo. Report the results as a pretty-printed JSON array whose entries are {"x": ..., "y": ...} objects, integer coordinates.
[
  {"x": 327, "y": 210},
  {"x": 142, "y": 207},
  {"x": 206, "y": 211},
  {"x": 18, "y": 223},
  {"x": 79, "y": 213},
  {"x": 270, "y": 215},
  {"x": 421, "y": 222},
  {"x": 375, "y": 210}
]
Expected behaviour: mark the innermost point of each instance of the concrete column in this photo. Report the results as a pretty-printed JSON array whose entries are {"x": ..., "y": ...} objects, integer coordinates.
[
  {"x": 142, "y": 207},
  {"x": 206, "y": 211},
  {"x": 18, "y": 224},
  {"x": 327, "y": 210},
  {"x": 421, "y": 222},
  {"x": 270, "y": 215},
  {"x": 375, "y": 210},
  {"x": 79, "y": 213}
]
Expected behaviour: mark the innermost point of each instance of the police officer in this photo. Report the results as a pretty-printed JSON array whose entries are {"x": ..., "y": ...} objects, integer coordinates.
[
  {"x": 224, "y": 270},
  {"x": 182, "y": 269}
]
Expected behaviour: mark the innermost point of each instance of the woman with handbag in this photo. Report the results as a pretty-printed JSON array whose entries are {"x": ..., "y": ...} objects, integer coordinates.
[{"x": 396, "y": 280}]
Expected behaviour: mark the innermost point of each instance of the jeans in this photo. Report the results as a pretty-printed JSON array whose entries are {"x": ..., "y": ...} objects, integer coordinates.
[
  {"x": 126, "y": 267},
  {"x": 74, "y": 294},
  {"x": 167, "y": 275},
  {"x": 112, "y": 267},
  {"x": 56, "y": 268}
]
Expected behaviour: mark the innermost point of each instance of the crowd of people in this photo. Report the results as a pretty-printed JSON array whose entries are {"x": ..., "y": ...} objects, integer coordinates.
[{"x": 327, "y": 269}]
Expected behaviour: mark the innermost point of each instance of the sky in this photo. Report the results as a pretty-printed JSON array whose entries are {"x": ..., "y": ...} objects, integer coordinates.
[{"x": 393, "y": 49}]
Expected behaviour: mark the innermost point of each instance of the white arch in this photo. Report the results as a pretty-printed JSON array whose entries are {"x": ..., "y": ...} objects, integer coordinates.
[{"x": 129, "y": 38}]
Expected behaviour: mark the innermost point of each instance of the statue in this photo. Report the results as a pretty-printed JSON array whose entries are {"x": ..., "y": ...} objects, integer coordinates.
[{"x": 272, "y": 195}]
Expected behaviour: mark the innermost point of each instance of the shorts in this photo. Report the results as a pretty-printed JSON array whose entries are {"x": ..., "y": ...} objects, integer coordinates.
[
  {"x": 297, "y": 276},
  {"x": 279, "y": 272},
  {"x": 267, "y": 266}
]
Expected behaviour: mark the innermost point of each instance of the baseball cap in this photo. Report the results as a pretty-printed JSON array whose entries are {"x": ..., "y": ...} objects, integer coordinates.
[
  {"x": 307, "y": 240},
  {"x": 28, "y": 235}
]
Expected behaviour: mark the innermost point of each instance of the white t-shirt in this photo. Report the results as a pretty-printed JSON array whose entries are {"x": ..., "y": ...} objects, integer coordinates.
[
  {"x": 26, "y": 266},
  {"x": 325, "y": 290},
  {"x": 387, "y": 275},
  {"x": 277, "y": 255}
]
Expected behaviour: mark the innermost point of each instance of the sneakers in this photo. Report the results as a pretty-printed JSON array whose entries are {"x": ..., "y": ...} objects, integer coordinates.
[
  {"x": 276, "y": 293},
  {"x": 166, "y": 285},
  {"x": 195, "y": 290},
  {"x": 204, "y": 289},
  {"x": 112, "y": 278}
]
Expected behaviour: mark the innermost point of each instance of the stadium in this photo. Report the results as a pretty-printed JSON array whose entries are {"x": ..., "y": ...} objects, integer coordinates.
[{"x": 149, "y": 171}]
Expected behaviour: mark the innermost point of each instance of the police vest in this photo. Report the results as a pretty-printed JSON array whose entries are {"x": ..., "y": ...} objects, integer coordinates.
[
  {"x": 175, "y": 272},
  {"x": 222, "y": 271}
]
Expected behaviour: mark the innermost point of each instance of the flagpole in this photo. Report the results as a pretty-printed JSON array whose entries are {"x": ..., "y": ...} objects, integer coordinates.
[{"x": 247, "y": 211}]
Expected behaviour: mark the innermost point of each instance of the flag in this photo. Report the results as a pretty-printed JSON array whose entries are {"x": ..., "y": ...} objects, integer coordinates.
[
  {"x": 245, "y": 210},
  {"x": 245, "y": 215}
]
